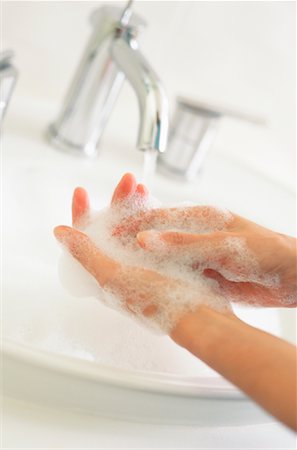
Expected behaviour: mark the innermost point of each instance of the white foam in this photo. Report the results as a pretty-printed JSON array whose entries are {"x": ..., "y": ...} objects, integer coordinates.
[{"x": 188, "y": 287}]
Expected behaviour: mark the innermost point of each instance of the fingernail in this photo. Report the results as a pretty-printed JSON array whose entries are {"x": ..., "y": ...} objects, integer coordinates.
[
  {"x": 142, "y": 190},
  {"x": 63, "y": 234},
  {"x": 73, "y": 240}
]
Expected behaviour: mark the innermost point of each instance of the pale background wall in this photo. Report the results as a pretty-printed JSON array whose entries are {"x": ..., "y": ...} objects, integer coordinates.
[{"x": 239, "y": 54}]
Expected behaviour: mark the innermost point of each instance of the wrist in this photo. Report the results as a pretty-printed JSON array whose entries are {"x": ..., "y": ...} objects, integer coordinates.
[{"x": 201, "y": 331}]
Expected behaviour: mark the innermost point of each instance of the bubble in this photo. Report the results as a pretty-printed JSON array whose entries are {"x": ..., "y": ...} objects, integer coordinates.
[{"x": 159, "y": 304}]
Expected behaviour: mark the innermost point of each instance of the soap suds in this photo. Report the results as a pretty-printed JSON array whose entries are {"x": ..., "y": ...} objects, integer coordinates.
[{"x": 158, "y": 304}]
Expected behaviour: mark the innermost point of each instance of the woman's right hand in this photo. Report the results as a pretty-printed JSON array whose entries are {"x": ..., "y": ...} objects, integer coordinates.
[{"x": 250, "y": 263}]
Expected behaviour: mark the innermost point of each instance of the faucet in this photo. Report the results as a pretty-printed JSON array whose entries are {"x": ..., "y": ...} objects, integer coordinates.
[
  {"x": 111, "y": 56},
  {"x": 8, "y": 76}
]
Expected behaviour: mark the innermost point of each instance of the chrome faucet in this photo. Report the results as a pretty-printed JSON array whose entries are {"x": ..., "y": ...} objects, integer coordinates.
[
  {"x": 112, "y": 55},
  {"x": 8, "y": 76}
]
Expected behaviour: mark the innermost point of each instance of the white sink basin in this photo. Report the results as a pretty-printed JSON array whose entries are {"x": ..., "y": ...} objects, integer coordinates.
[{"x": 74, "y": 352}]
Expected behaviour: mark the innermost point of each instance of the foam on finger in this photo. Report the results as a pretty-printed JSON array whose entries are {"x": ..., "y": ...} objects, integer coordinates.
[{"x": 158, "y": 288}]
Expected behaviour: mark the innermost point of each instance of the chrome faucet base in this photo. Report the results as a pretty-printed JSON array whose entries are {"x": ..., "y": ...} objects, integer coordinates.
[{"x": 56, "y": 139}]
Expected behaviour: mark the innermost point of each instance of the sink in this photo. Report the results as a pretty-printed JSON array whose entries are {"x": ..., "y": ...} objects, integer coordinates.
[{"x": 74, "y": 352}]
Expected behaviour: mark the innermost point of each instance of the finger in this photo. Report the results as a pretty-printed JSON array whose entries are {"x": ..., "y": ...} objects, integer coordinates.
[
  {"x": 220, "y": 251},
  {"x": 92, "y": 259},
  {"x": 80, "y": 206},
  {"x": 197, "y": 251},
  {"x": 142, "y": 190},
  {"x": 150, "y": 240},
  {"x": 244, "y": 291},
  {"x": 199, "y": 219},
  {"x": 125, "y": 188}
]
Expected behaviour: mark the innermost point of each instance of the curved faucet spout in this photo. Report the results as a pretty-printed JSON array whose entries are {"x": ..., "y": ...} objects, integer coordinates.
[
  {"x": 153, "y": 103},
  {"x": 111, "y": 55}
]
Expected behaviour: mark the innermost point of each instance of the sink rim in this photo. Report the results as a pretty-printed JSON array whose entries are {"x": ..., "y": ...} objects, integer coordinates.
[{"x": 154, "y": 382}]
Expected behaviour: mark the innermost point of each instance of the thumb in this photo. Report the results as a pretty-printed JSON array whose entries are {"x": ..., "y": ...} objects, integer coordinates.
[
  {"x": 207, "y": 250},
  {"x": 204, "y": 251},
  {"x": 153, "y": 239},
  {"x": 84, "y": 250}
]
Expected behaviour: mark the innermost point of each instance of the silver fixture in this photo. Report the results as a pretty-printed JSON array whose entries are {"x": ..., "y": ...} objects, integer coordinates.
[
  {"x": 8, "y": 76},
  {"x": 193, "y": 131},
  {"x": 112, "y": 54}
]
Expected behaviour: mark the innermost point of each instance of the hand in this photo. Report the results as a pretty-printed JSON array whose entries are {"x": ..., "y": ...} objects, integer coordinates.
[
  {"x": 143, "y": 292},
  {"x": 251, "y": 263},
  {"x": 215, "y": 337}
]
